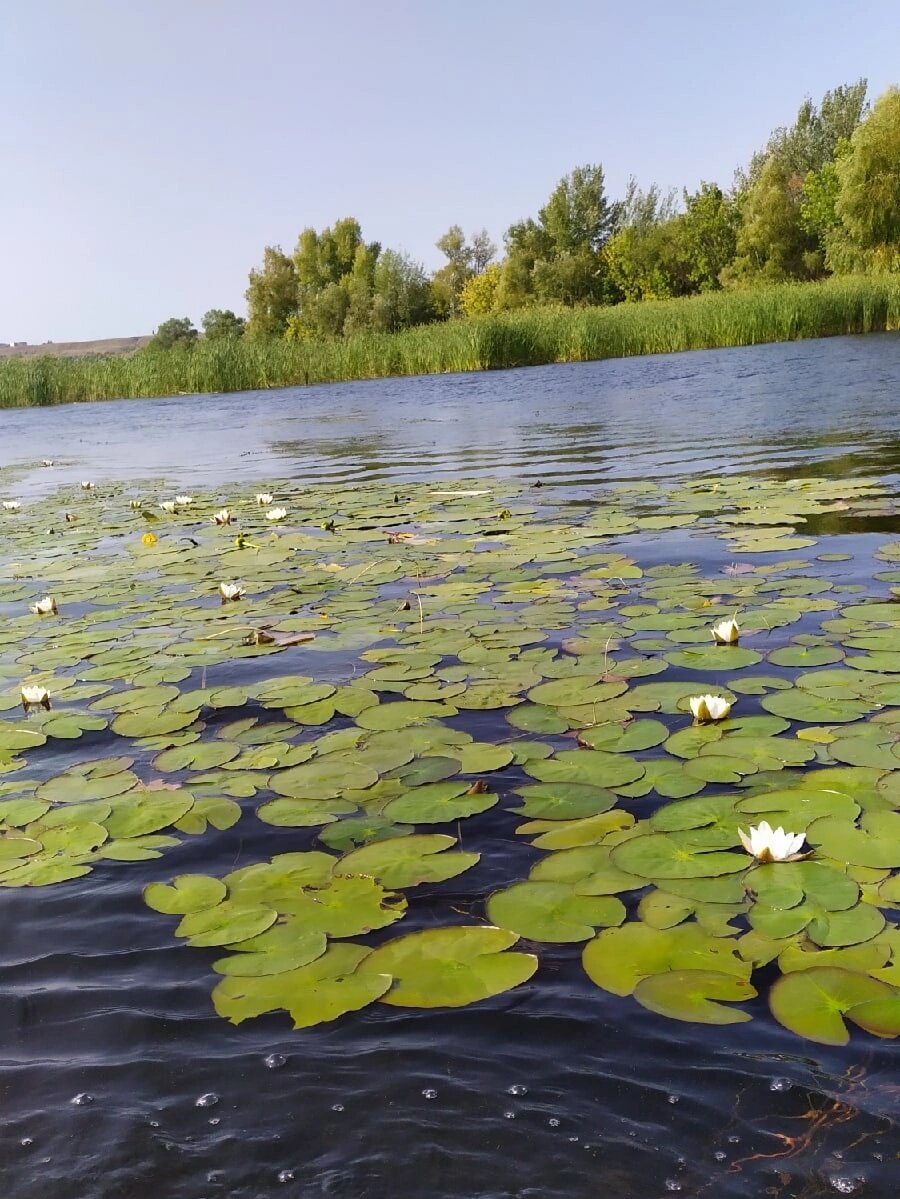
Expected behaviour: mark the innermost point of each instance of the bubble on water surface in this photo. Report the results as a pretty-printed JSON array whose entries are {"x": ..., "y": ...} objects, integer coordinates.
[
  {"x": 672, "y": 1184},
  {"x": 553, "y": 1122},
  {"x": 517, "y": 1089},
  {"x": 286, "y": 1175},
  {"x": 509, "y": 1115},
  {"x": 26, "y": 1141},
  {"x": 720, "y": 1155},
  {"x": 214, "y": 1120},
  {"x": 430, "y": 1093},
  {"x": 337, "y": 1107},
  {"x": 210, "y": 1099},
  {"x": 780, "y": 1084},
  {"x": 845, "y": 1184},
  {"x": 82, "y": 1099},
  {"x": 275, "y": 1061}
]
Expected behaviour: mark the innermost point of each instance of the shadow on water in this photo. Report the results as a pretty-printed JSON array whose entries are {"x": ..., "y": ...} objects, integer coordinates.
[{"x": 117, "y": 1080}]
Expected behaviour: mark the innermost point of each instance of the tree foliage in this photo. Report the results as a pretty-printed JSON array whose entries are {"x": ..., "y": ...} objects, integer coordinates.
[
  {"x": 272, "y": 295},
  {"x": 221, "y": 323},
  {"x": 176, "y": 331},
  {"x": 869, "y": 176},
  {"x": 464, "y": 262}
]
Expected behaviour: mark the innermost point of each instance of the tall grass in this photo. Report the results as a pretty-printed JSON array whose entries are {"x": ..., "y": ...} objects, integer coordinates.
[{"x": 528, "y": 337}]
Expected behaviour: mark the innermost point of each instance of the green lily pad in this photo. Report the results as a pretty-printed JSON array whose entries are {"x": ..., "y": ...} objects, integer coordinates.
[
  {"x": 408, "y": 861},
  {"x": 544, "y": 911},
  {"x": 438, "y": 803},
  {"x": 225, "y": 923},
  {"x": 316, "y": 993},
  {"x": 694, "y": 995},
  {"x": 449, "y": 967},
  {"x": 187, "y": 893},
  {"x": 813, "y": 1003}
]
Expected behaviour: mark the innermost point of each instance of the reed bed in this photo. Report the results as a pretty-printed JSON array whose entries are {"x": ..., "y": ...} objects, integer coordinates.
[{"x": 528, "y": 337}]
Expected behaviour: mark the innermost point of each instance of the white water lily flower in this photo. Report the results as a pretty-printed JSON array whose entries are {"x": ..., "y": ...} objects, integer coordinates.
[
  {"x": 35, "y": 696},
  {"x": 230, "y": 592},
  {"x": 46, "y": 462},
  {"x": 86, "y": 485},
  {"x": 184, "y": 500},
  {"x": 707, "y": 708},
  {"x": 45, "y": 607},
  {"x": 134, "y": 504},
  {"x": 276, "y": 514},
  {"x": 222, "y": 517},
  {"x": 168, "y": 506},
  {"x": 772, "y": 845},
  {"x": 11, "y": 505},
  {"x": 726, "y": 632},
  {"x": 263, "y": 498}
]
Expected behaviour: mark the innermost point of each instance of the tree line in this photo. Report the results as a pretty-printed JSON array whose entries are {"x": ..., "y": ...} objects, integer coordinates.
[{"x": 822, "y": 197}]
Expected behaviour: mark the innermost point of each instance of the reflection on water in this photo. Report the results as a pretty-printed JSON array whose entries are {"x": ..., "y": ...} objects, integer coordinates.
[{"x": 117, "y": 1081}]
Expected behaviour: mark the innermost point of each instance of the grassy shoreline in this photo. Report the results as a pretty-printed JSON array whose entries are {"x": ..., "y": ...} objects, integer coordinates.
[{"x": 528, "y": 337}]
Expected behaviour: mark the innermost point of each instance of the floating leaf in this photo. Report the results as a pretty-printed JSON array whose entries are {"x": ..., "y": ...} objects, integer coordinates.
[
  {"x": 545, "y": 911},
  {"x": 813, "y": 1003},
  {"x": 323, "y": 990},
  {"x": 449, "y": 967}
]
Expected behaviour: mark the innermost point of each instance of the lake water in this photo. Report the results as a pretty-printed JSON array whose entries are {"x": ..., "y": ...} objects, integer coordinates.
[{"x": 117, "y": 1079}]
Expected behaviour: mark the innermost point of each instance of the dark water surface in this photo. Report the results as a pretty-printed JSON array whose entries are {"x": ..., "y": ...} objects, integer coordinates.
[{"x": 117, "y": 1079}]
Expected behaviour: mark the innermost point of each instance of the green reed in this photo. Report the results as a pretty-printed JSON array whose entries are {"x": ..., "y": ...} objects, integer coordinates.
[{"x": 528, "y": 337}]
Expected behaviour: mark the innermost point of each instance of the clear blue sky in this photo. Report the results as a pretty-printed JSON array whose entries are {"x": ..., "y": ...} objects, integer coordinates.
[{"x": 150, "y": 148}]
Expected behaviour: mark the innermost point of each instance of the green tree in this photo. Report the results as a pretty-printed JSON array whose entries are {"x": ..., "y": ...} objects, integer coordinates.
[
  {"x": 272, "y": 296},
  {"x": 869, "y": 176},
  {"x": 772, "y": 244},
  {"x": 644, "y": 256},
  {"x": 479, "y": 293},
  {"x": 177, "y": 331},
  {"x": 401, "y": 293},
  {"x": 818, "y": 130},
  {"x": 559, "y": 257},
  {"x": 782, "y": 235},
  {"x": 707, "y": 232},
  {"x": 360, "y": 285},
  {"x": 220, "y": 323},
  {"x": 464, "y": 261}
]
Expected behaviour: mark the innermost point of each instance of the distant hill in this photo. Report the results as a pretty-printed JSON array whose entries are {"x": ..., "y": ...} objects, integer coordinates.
[{"x": 75, "y": 349}]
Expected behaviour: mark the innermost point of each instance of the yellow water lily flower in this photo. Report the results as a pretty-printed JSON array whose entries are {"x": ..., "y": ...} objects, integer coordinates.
[
  {"x": 45, "y": 607},
  {"x": 772, "y": 845},
  {"x": 168, "y": 506},
  {"x": 11, "y": 505},
  {"x": 707, "y": 709},
  {"x": 726, "y": 632},
  {"x": 276, "y": 514},
  {"x": 222, "y": 517},
  {"x": 35, "y": 697},
  {"x": 230, "y": 592},
  {"x": 263, "y": 498},
  {"x": 149, "y": 539}
]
